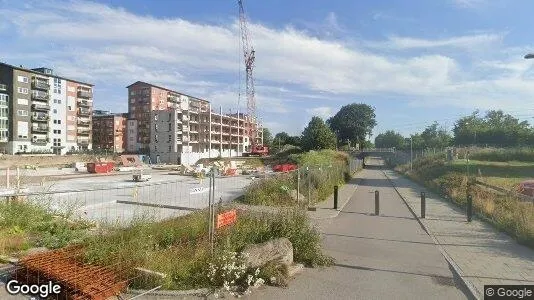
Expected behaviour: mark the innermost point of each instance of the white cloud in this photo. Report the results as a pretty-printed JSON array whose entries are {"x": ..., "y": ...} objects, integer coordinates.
[
  {"x": 324, "y": 112},
  {"x": 463, "y": 42},
  {"x": 469, "y": 3},
  {"x": 114, "y": 47}
]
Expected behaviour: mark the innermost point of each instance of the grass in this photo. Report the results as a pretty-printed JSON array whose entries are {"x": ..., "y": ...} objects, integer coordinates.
[
  {"x": 503, "y": 211},
  {"x": 24, "y": 225},
  {"x": 179, "y": 249},
  {"x": 319, "y": 172},
  {"x": 503, "y": 174},
  {"x": 504, "y": 155}
]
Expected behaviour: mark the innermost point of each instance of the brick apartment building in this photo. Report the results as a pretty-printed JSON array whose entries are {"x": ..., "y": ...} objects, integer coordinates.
[
  {"x": 109, "y": 131},
  {"x": 43, "y": 112},
  {"x": 177, "y": 128}
]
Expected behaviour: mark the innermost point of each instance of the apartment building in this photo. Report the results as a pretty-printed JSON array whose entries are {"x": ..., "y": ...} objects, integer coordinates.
[
  {"x": 41, "y": 112},
  {"x": 109, "y": 131}
]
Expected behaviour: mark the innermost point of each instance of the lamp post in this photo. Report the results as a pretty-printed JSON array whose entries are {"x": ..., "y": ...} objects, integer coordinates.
[{"x": 411, "y": 153}]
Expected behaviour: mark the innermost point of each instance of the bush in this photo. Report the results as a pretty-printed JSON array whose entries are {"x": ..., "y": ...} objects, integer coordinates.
[
  {"x": 504, "y": 155},
  {"x": 271, "y": 191}
]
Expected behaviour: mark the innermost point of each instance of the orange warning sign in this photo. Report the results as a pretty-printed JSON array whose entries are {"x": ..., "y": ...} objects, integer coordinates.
[{"x": 226, "y": 218}]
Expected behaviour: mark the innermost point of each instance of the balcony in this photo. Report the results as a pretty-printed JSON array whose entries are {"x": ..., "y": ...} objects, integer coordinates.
[
  {"x": 40, "y": 96},
  {"x": 172, "y": 98},
  {"x": 82, "y": 141},
  {"x": 39, "y": 140},
  {"x": 83, "y": 131},
  {"x": 84, "y": 112},
  {"x": 85, "y": 94},
  {"x": 84, "y": 103},
  {"x": 185, "y": 129},
  {"x": 40, "y": 129},
  {"x": 40, "y": 85},
  {"x": 40, "y": 107},
  {"x": 40, "y": 117},
  {"x": 3, "y": 87},
  {"x": 84, "y": 122},
  {"x": 194, "y": 110}
]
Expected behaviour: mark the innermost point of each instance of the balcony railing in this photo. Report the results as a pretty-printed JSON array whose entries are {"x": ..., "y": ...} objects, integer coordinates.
[
  {"x": 84, "y": 112},
  {"x": 3, "y": 87},
  {"x": 85, "y": 94},
  {"x": 40, "y": 129},
  {"x": 40, "y": 141},
  {"x": 83, "y": 131},
  {"x": 40, "y": 96},
  {"x": 83, "y": 141},
  {"x": 84, "y": 103},
  {"x": 40, "y": 107},
  {"x": 40, "y": 85},
  {"x": 84, "y": 123},
  {"x": 40, "y": 117}
]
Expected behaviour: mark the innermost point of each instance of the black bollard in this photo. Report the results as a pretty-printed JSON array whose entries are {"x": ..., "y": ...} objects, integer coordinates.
[
  {"x": 335, "y": 196},
  {"x": 469, "y": 208},
  {"x": 377, "y": 203},
  {"x": 423, "y": 205}
]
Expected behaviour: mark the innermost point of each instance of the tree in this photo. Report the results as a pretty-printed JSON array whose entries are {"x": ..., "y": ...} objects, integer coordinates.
[
  {"x": 267, "y": 137},
  {"x": 317, "y": 136},
  {"x": 294, "y": 140},
  {"x": 281, "y": 138},
  {"x": 435, "y": 137},
  {"x": 353, "y": 122},
  {"x": 389, "y": 139}
]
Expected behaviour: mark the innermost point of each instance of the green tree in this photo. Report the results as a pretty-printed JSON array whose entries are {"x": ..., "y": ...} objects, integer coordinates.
[
  {"x": 389, "y": 139},
  {"x": 317, "y": 136},
  {"x": 353, "y": 122},
  {"x": 267, "y": 137},
  {"x": 436, "y": 137}
]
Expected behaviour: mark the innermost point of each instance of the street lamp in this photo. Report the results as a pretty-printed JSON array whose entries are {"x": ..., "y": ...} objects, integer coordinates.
[{"x": 411, "y": 153}]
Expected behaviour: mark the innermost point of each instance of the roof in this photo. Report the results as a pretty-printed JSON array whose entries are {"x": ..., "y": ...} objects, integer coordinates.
[
  {"x": 164, "y": 88},
  {"x": 43, "y": 74}
]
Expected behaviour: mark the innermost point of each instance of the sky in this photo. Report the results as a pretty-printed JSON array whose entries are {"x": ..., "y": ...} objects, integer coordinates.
[{"x": 414, "y": 61}]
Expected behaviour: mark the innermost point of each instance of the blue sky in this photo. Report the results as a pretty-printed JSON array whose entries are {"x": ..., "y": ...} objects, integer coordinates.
[{"x": 414, "y": 61}]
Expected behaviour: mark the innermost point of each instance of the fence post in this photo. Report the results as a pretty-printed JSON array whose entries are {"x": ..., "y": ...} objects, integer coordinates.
[
  {"x": 335, "y": 196},
  {"x": 298, "y": 185},
  {"x": 377, "y": 203},
  {"x": 423, "y": 205},
  {"x": 469, "y": 208}
]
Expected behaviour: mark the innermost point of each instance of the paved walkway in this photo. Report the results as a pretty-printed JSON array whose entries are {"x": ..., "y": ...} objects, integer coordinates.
[
  {"x": 482, "y": 254},
  {"x": 377, "y": 257}
]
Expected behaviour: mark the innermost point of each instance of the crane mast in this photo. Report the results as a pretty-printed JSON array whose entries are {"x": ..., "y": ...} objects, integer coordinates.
[{"x": 249, "y": 56}]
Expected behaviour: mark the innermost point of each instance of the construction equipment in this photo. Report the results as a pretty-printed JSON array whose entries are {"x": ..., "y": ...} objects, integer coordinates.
[{"x": 249, "y": 56}]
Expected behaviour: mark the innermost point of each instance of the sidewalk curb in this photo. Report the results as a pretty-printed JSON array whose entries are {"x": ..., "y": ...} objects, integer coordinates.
[
  {"x": 457, "y": 270},
  {"x": 342, "y": 206}
]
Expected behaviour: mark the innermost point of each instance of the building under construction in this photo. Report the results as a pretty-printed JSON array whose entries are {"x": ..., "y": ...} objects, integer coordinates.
[{"x": 177, "y": 128}]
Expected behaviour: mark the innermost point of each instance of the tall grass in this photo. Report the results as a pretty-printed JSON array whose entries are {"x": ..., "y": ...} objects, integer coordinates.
[{"x": 503, "y": 155}]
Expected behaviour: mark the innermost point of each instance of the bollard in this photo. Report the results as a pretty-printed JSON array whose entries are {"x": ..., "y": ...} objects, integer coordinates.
[
  {"x": 335, "y": 196},
  {"x": 377, "y": 203},
  {"x": 423, "y": 205},
  {"x": 469, "y": 208}
]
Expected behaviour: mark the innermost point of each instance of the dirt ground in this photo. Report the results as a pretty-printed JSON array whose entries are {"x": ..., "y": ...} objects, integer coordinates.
[{"x": 13, "y": 161}]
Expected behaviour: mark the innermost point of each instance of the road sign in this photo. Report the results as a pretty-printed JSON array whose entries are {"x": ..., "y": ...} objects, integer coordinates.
[{"x": 226, "y": 218}]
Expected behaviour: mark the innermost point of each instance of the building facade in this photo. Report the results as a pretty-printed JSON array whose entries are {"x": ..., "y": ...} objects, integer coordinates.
[
  {"x": 109, "y": 131},
  {"x": 41, "y": 112}
]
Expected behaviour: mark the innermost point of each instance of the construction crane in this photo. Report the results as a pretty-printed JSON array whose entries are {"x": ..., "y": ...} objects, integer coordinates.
[{"x": 249, "y": 56}]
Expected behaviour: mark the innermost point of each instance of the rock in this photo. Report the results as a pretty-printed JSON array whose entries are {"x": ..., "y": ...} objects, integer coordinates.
[
  {"x": 280, "y": 250},
  {"x": 293, "y": 195}
]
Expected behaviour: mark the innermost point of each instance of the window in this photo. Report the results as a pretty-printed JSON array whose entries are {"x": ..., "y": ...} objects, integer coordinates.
[
  {"x": 22, "y": 101},
  {"x": 156, "y": 127},
  {"x": 170, "y": 138},
  {"x": 57, "y": 131},
  {"x": 58, "y": 101},
  {"x": 170, "y": 148},
  {"x": 155, "y": 117},
  {"x": 22, "y": 79},
  {"x": 22, "y": 113},
  {"x": 54, "y": 111},
  {"x": 70, "y": 108},
  {"x": 22, "y": 90},
  {"x": 156, "y": 138},
  {"x": 57, "y": 86},
  {"x": 57, "y": 142},
  {"x": 57, "y": 121},
  {"x": 170, "y": 127},
  {"x": 4, "y": 99}
]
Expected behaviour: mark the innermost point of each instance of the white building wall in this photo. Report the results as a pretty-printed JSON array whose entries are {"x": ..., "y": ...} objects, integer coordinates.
[{"x": 58, "y": 112}]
